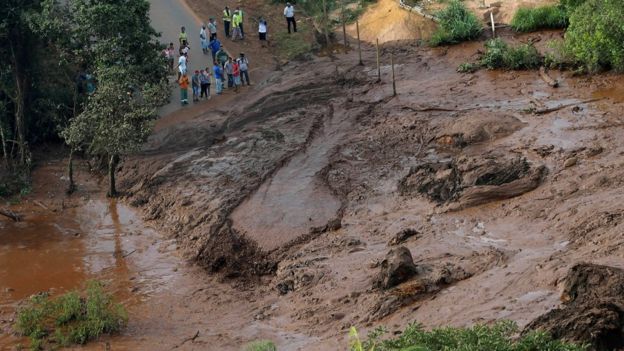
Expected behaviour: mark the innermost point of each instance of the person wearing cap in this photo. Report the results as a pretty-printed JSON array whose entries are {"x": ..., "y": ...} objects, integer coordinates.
[
  {"x": 227, "y": 20},
  {"x": 289, "y": 13},
  {"x": 212, "y": 28},
  {"x": 184, "y": 83},
  {"x": 242, "y": 19},
  {"x": 236, "y": 21},
  {"x": 196, "y": 84},
  {"x": 243, "y": 64}
]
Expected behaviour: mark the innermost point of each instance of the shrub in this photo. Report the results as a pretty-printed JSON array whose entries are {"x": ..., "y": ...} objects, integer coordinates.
[
  {"x": 499, "y": 337},
  {"x": 70, "y": 318},
  {"x": 558, "y": 57},
  {"x": 261, "y": 345},
  {"x": 531, "y": 19},
  {"x": 500, "y": 55},
  {"x": 467, "y": 67},
  {"x": 595, "y": 37},
  {"x": 456, "y": 24}
]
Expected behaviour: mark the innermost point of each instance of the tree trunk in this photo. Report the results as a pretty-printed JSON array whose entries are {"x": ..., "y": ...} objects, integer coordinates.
[
  {"x": 112, "y": 166},
  {"x": 70, "y": 172},
  {"x": 20, "y": 96},
  {"x": 3, "y": 139},
  {"x": 325, "y": 23}
]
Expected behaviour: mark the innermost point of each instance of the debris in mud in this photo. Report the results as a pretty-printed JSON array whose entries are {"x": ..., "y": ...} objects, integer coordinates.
[
  {"x": 570, "y": 162},
  {"x": 470, "y": 129},
  {"x": 593, "y": 308},
  {"x": 396, "y": 268},
  {"x": 471, "y": 181},
  {"x": 403, "y": 235}
]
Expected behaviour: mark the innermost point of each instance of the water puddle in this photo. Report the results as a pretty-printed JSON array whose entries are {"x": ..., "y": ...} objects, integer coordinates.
[{"x": 58, "y": 252}]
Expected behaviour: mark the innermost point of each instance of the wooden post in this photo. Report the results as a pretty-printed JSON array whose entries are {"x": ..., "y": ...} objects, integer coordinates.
[
  {"x": 393, "y": 80},
  {"x": 357, "y": 28},
  {"x": 378, "y": 65},
  {"x": 493, "y": 27}
]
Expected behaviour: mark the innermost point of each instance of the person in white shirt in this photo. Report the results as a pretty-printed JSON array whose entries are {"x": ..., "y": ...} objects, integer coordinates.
[
  {"x": 289, "y": 13},
  {"x": 182, "y": 66},
  {"x": 243, "y": 64},
  {"x": 203, "y": 38},
  {"x": 262, "y": 31}
]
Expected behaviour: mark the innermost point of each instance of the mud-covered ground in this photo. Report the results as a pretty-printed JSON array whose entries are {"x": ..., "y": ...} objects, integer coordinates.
[{"x": 292, "y": 194}]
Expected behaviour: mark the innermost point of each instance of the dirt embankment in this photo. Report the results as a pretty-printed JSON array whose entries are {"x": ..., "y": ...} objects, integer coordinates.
[{"x": 313, "y": 176}]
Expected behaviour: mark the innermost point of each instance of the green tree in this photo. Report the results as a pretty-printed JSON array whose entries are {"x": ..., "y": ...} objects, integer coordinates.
[{"x": 117, "y": 118}]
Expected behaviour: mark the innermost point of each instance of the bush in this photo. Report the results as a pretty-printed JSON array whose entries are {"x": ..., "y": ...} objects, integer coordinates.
[
  {"x": 531, "y": 19},
  {"x": 499, "y": 337},
  {"x": 558, "y": 57},
  {"x": 500, "y": 55},
  {"x": 70, "y": 318},
  {"x": 456, "y": 24},
  {"x": 595, "y": 37},
  {"x": 261, "y": 345}
]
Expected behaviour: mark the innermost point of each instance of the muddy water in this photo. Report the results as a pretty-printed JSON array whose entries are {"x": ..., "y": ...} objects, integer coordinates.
[{"x": 57, "y": 252}]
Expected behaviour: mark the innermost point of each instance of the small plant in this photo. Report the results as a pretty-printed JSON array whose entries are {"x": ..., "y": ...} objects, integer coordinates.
[
  {"x": 467, "y": 67},
  {"x": 544, "y": 17},
  {"x": 70, "y": 318},
  {"x": 499, "y": 337},
  {"x": 500, "y": 55},
  {"x": 558, "y": 56},
  {"x": 261, "y": 345},
  {"x": 456, "y": 24}
]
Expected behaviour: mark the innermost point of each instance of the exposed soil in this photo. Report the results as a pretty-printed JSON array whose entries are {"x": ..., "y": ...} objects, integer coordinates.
[{"x": 292, "y": 197}]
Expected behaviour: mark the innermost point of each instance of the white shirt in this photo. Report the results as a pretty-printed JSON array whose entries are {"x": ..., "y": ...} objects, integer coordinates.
[
  {"x": 182, "y": 64},
  {"x": 262, "y": 28},
  {"x": 202, "y": 34},
  {"x": 289, "y": 11}
]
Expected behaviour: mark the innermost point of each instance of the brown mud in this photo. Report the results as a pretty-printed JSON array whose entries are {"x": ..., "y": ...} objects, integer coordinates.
[{"x": 293, "y": 194}]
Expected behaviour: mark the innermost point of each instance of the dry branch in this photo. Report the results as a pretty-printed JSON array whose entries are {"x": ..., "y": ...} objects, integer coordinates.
[
  {"x": 550, "y": 81},
  {"x": 10, "y": 214}
]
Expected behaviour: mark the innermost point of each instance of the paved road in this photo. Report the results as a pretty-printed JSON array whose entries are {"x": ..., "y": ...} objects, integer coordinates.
[{"x": 167, "y": 17}]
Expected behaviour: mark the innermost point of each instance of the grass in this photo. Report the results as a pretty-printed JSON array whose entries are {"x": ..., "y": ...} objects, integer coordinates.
[
  {"x": 261, "y": 345},
  {"x": 293, "y": 46},
  {"x": 544, "y": 17},
  {"x": 497, "y": 337},
  {"x": 456, "y": 24},
  {"x": 500, "y": 55},
  {"x": 70, "y": 318}
]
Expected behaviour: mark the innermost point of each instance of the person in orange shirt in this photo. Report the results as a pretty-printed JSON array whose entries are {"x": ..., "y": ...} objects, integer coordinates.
[{"x": 184, "y": 84}]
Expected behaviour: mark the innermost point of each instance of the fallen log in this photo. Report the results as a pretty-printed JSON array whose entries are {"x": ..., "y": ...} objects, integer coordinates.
[
  {"x": 550, "y": 81},
  {"x": 10, "y": 214},
  {"x": 544, "y": 111}
]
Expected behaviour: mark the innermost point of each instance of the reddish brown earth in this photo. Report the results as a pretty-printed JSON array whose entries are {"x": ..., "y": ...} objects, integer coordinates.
[{"x": 289, "y": 196}]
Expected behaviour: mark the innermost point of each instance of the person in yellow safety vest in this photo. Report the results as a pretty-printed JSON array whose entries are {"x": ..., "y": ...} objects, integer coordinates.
[
  {"x": 183, "y": 36},
  {"x": 236, "y": 21},
  {"x": 227, "y": 19},
  {"x": 242, "y": 19}
]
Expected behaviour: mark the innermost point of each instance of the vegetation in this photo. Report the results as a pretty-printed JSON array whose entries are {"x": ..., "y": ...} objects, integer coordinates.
[
  {"x": 70, "y": 318},
  {"x": 261, "y": 345},
  {"x": 58, "y": 55},
  {"x": 498, "y": 337},
  {"x": 595, "y": 37},
  {"x": 500, "y": 55},
  {"x": 544, "y": 17},
  {"x": 456, "y": 24}
]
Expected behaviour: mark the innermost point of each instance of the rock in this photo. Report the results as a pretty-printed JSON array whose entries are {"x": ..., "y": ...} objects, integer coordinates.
[
  {"x": 402, "y": 236},
  {"x": 338, "y": 315},
  {"x": 593, "y": 151},
  {"x": 592, "y": 311},
  {"x": 570, "y": 162},
  {"x": 285, "y": 286},
  {"x": 396, "y": 268}
]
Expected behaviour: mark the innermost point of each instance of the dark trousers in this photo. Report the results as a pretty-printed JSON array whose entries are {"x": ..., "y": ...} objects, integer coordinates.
[
  {"x": 205, "y": 90},
  {"x": 226, "y": 26},
  {"x": 241, "y": 28},
  {"x": 245, "y": 77},
  {"x": 213, "y": 36},
  {"x": 230, "y": 80},
  {"x": 292, "y": 20}
]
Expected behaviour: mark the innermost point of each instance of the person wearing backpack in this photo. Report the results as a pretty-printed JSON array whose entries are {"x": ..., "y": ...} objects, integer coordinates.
[{"x": 243, "y": 64}]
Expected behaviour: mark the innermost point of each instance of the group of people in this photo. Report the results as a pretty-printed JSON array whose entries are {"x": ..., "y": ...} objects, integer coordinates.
[{"x": 226, "y": 71}]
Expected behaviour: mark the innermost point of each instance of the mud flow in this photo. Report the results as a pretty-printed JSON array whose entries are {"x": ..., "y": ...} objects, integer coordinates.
[{"x": 58, "y": 252}]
